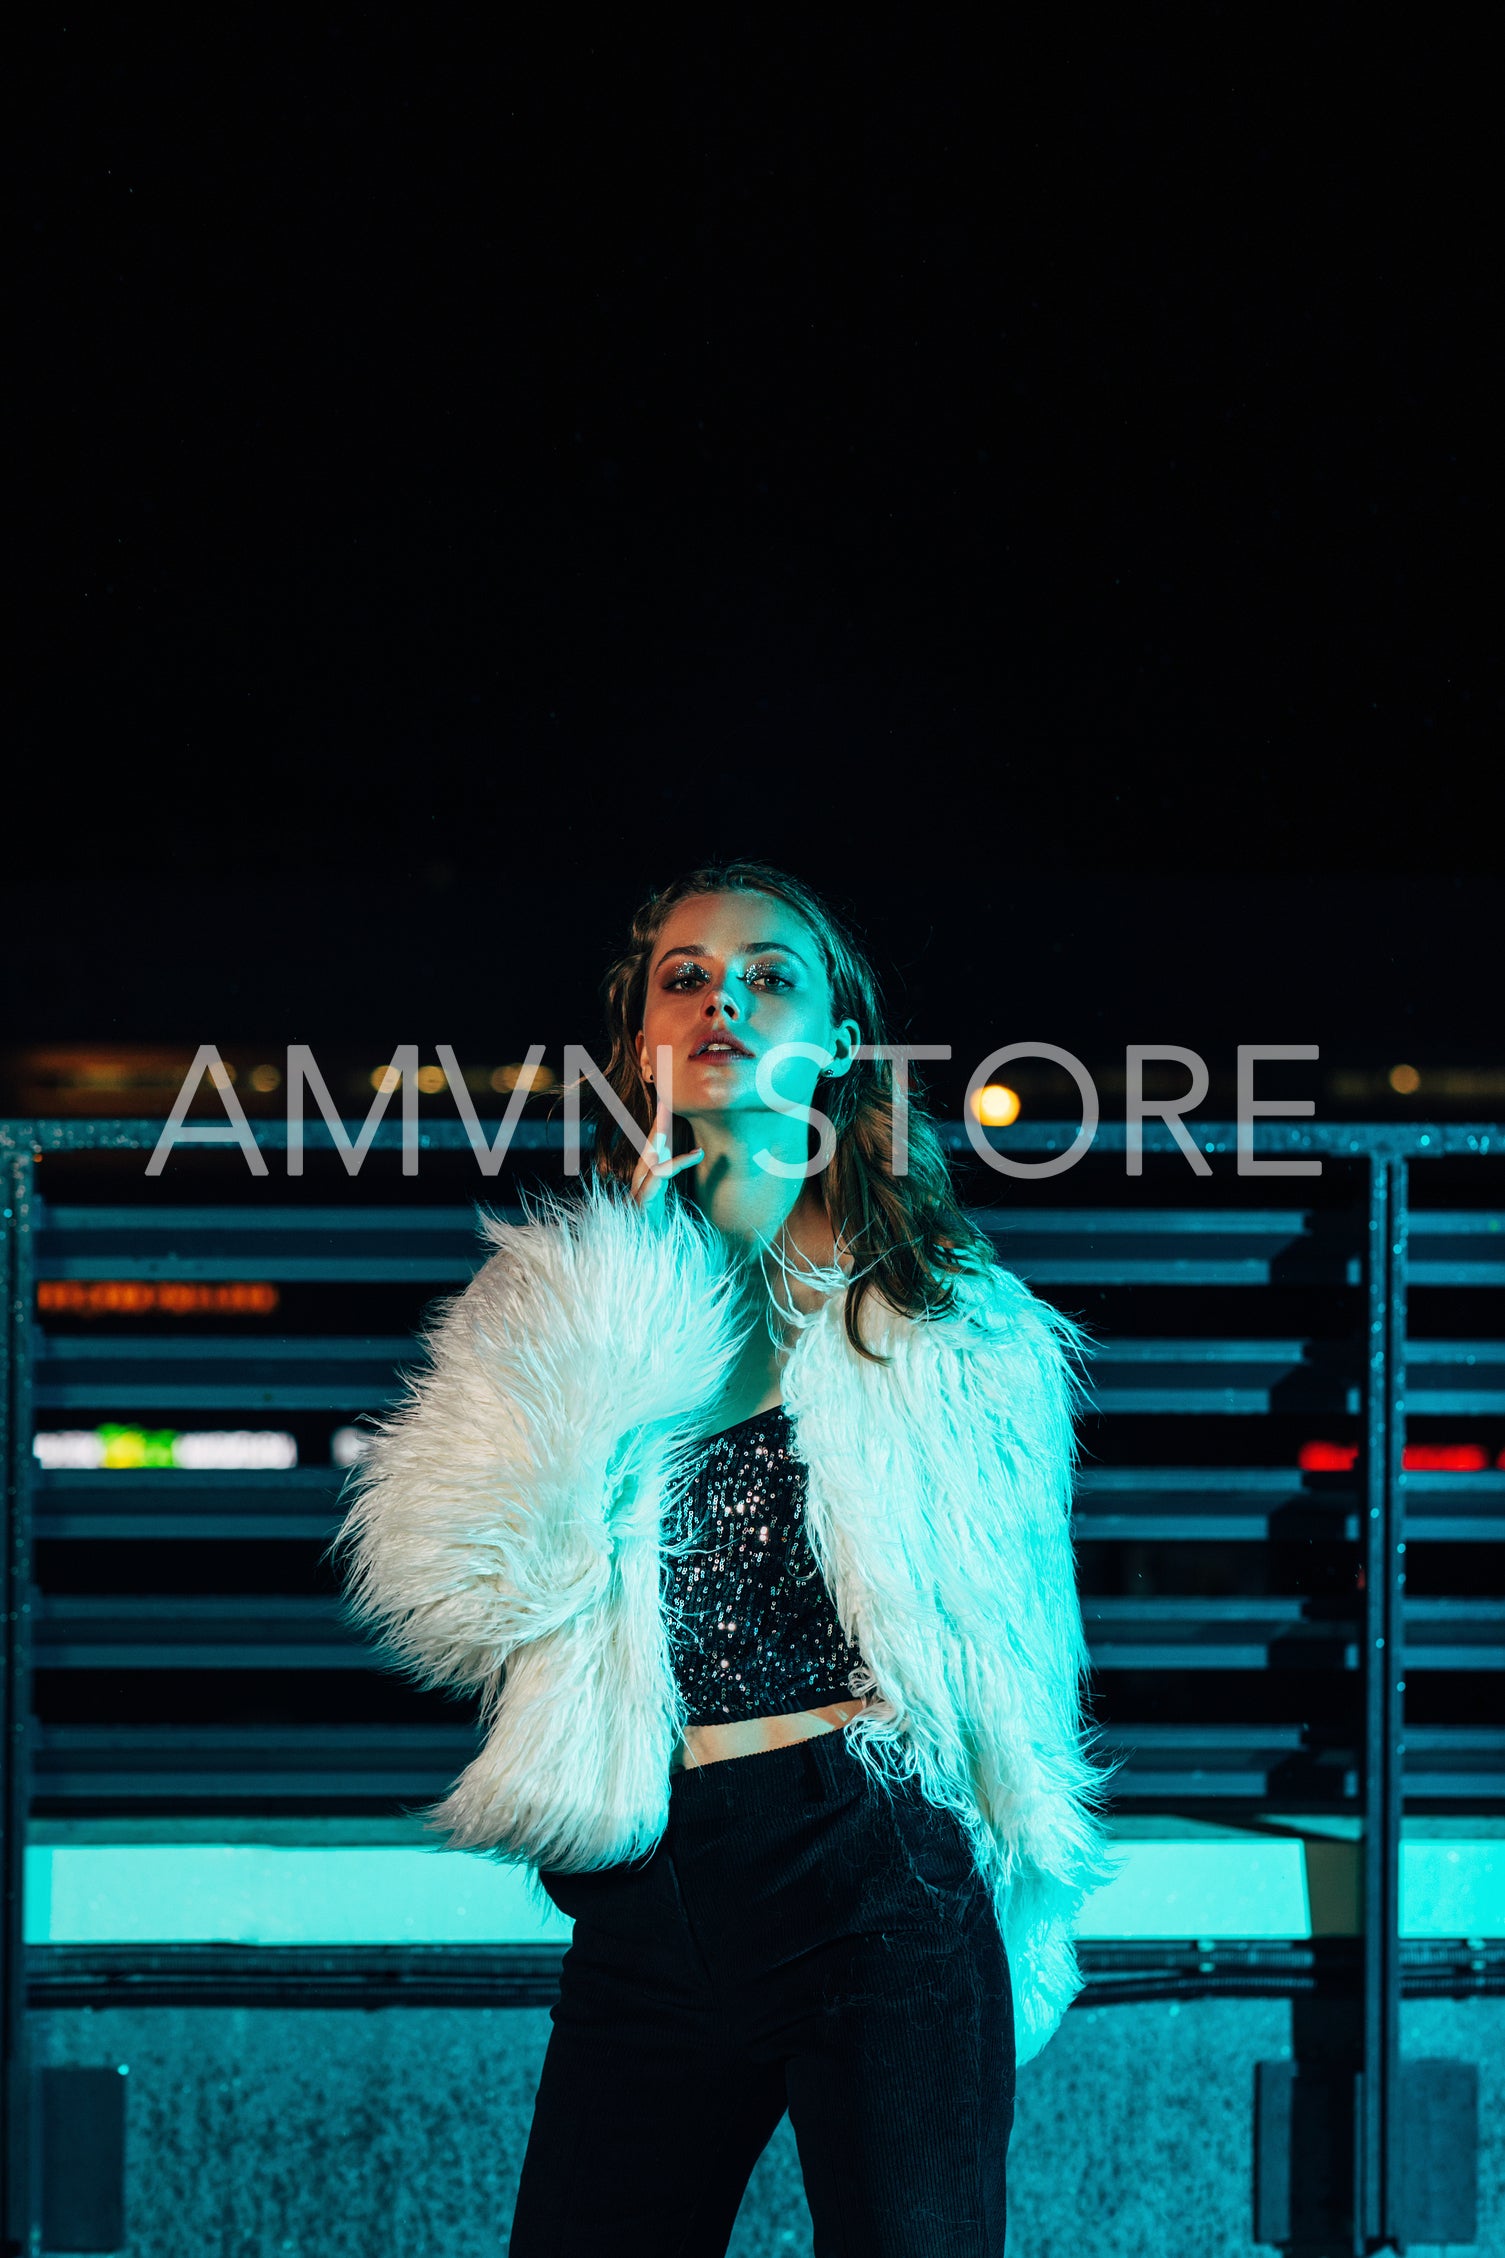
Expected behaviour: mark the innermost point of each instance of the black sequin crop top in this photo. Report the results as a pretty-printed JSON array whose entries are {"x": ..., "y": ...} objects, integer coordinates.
[{"x": 753, "y": 1630}]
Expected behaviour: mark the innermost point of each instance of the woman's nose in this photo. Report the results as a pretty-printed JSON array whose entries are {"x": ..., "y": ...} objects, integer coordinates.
[{"x": 719, "y": 1000}]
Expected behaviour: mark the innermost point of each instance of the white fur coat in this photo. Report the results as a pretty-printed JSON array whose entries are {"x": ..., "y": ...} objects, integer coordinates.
[{"x": 503, "y": 1537}]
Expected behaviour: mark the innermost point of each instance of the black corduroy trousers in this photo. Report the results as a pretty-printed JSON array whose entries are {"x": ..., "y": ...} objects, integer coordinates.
[{"x": 803, "y": 1939}]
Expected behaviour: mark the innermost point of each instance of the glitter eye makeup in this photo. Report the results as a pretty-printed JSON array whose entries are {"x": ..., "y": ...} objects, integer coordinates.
[{"x": 691, "y": 973}]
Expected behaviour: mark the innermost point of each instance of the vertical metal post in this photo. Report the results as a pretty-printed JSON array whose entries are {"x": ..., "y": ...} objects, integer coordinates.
[
  {"x": 17, "y": 2234},
  {"x": 1377, "y": 2196}
]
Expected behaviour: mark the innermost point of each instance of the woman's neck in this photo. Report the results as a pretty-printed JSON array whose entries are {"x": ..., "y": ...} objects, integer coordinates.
[
  {"x": 780, "y": 1219},
  {"x": 747, "y": 1203}
]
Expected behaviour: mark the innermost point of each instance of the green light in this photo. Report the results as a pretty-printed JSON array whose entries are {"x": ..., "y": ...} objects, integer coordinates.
[{"x": 137, "y": 1446}]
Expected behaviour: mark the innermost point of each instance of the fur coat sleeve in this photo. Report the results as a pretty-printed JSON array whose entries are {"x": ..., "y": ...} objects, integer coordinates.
[{"x": 501, "y": 1532}]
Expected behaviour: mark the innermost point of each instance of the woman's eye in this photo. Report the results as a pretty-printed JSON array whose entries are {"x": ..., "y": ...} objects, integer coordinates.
[{"x": 688, "y": 976}]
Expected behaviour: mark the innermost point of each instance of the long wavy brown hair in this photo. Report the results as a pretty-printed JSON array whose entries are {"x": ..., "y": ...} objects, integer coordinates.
[{"x": 908, "y": 1236}]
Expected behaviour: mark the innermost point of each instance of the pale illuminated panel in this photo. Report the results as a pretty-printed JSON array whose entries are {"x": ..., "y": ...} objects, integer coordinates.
[
  {"x": 207, "y": 1451},
  {"x": 348, "y": 1446}
]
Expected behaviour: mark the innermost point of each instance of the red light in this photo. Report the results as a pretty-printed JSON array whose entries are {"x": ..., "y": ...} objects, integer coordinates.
[
  {"x": 1419, "y": 1458},
  {"x": 1328, "y": 1458},
  {"x": 1445, "y": 1458}
]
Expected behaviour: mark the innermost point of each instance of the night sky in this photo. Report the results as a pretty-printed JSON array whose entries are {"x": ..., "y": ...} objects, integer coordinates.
[{"x": 1044, "y": 492}]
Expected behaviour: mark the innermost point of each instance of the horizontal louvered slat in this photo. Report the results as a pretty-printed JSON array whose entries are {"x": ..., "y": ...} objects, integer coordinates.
[
  {"x": 1455, "y": 1379},
  {"x": 277, "y": 1631},
  {"x": 1455, "y": 1763},
  {"x": 1282, "y": 1631},
  {"x": 1455, "y": 1634},
  {"x": 1165, "y": 1763},
  {"x": 1248, "y": 1379},
  {"x": 334, "y": 1767},
  {"x": 1102, "y": 1246},
  {"x": 195, "y": 1631},
  {"x": 192, "y": 1372},
  {"x": 1255, "y": 1378},
  {"x": 1173, "y": 1246},
  {"x": 344, "y": 1765},
  {"x": 1169, "y": 1503},
  {"x": 1455, "y": 1508},
  {"x": 152, "y": 1503},
  {"x": 1243, "y": 1633},
  {"x": 325, "y": 1766},
  {"x": 356, "y": 1245},
  {"x": 1218, "y": 1504},
  {"x": 1452, "y": 1248}
]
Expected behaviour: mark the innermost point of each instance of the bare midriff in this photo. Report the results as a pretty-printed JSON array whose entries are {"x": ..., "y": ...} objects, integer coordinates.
[{"x": 751, "y": 1736}]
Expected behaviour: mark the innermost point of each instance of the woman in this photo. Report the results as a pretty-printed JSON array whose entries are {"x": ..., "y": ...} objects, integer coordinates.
[{"x": 739, "y": 1490}]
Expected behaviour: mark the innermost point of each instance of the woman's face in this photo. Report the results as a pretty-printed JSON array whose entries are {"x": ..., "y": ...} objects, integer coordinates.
[{"x": 732, "y": 976}]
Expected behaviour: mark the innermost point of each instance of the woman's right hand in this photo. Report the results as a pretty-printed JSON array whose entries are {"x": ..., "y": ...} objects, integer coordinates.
[{"x": 651, "y": 1176}]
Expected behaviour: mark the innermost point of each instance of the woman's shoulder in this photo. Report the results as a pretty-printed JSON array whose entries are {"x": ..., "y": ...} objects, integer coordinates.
[
  {"x": 988, "y": 1312},
  {"x": 584, "y": 1299},
  {"x": 594, "y": 1232}
]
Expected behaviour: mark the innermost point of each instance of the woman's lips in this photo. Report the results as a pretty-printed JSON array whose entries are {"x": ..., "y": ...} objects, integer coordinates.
[{"x": 719, "y": 1048}]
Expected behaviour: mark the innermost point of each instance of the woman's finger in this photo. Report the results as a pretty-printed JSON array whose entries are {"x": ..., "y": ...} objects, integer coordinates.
[
  {"x": 649, "y": 1170},
  {"x": 658, "y": 1165}
]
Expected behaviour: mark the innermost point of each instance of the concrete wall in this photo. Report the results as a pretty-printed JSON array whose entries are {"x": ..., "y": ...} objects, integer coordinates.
[{"x": 257, "y": 2133}]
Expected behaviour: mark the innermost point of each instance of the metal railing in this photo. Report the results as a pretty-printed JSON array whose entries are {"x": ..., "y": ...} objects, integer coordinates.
[{"x": 1224, "y": 1328}]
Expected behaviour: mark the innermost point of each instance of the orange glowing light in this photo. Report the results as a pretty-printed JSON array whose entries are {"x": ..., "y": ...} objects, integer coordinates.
[
  {"x": 532, "y": 1078},
  {"x": 996, "y": 1106},
  {"x": 142, "y": 1297}
]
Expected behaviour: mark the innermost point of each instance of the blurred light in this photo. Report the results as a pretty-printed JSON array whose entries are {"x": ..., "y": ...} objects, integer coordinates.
[
  {"x": 1328, "y": 1458},
  {"x": 138, "y": 1297},
  {"x": 531, "y": 1078},
  {"x": 266, "y": 1078},
  {"x": 430, "y": 1080},
  {"x": 200, "y": 1452},
  {"x": 69, "y": 1069},
  {"x": 1467, "y": 1082},
  {"x": 1477, "y": 1085},
  {"x": 996, "y": 1106},
  {"x": 385, "y": 1078},
  {"x": 243, "y": 1447},
  {"x": 348, "y": 1446},
  {"x": 1417, "y": 1458},
  {"x": 75, "y": 1447},
  {"x": 1446, "y": 1458}
]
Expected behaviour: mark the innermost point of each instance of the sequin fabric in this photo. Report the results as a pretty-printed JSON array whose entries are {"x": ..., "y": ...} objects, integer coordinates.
[{"x": 753, "y": 1630}]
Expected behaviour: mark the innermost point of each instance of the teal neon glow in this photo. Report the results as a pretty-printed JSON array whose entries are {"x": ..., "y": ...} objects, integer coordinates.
[{"x": 259, "y": 1893}]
